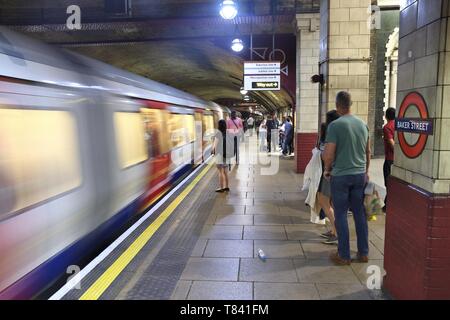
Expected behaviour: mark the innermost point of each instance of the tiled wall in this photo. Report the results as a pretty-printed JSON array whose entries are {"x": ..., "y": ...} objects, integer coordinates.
[
  {"x": 304, "y": 144},
  {"x": 417, "y": 254},
  {"x": 424, "y": 66},
  {"x": 417, "y": 244},
  {"x": 307, "y": 66},
  {"x": 345, "y": 35}
]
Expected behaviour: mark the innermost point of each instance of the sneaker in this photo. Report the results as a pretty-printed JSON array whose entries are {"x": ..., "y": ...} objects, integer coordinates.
[
  {"x": 326, "y": 235},
  {"x": 220, "y": 190},
  {"x": 226, "y": 190},
  {"x": 332, "y": 240},
  {"x": 337, "y": 260}
]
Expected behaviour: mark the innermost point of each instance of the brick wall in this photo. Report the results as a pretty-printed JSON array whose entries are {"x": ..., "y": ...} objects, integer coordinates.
[
  {"x": 305, "y": 143},
  {"x": 417, "y": 245}
]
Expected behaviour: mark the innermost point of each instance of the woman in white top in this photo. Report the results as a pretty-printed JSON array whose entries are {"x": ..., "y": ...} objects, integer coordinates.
[{"x": 262, "y": 135}]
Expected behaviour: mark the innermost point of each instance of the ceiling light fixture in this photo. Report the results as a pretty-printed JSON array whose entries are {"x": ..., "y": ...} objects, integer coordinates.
[
  {"x": 237, "y": 45},
  {"x": 228, "y": 9}
]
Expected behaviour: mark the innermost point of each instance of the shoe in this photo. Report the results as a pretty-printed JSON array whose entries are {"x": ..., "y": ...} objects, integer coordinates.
[
  {"x": 361, "y": 259},
  {"x": 326, "y": 235},
  {"x": 332, "y": 240},
  {"x": 220, "y": 190},
  {"x": 226, "y": 190},
  {"x": 334, "y": 257}
]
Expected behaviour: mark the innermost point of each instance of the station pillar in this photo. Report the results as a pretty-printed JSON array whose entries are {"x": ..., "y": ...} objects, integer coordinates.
[
  {"x": 307, "y": 94},
  {"x": 345, "y": 54},
  {"x": 417, "y": 239}
]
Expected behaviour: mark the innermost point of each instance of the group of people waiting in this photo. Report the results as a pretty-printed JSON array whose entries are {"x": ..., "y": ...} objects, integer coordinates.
[
  {"x": 273, "y": 133},
  {"x": 344, "y": 149}
]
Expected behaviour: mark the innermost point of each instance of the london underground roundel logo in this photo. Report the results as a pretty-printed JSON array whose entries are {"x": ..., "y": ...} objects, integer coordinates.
[{"x": 422, "y": 126}]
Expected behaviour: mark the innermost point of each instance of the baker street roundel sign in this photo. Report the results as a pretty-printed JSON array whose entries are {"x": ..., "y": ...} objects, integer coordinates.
[{"x": 422, "y": 126}]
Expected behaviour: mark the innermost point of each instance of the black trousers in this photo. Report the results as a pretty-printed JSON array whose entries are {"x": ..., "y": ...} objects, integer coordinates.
[{"x": 386, "y": 173}]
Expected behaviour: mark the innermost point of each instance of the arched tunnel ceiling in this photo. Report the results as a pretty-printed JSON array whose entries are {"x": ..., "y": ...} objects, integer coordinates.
[
  {"x": 171, "y": 41},
  {"x": 195, "y": 66}
]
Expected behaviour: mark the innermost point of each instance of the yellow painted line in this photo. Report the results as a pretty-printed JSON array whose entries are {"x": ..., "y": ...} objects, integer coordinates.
[{"x": 105, "y": 280}]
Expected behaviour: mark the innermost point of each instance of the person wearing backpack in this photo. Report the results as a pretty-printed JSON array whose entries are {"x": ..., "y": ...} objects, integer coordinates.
[{"x": 223, "y": 149}]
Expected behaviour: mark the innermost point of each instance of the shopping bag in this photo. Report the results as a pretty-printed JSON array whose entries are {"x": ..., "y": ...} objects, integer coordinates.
[{"x": 372, "y": 202}]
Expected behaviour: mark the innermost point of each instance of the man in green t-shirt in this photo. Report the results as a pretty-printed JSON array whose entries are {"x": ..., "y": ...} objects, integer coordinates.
[{"x": 346, "y": 162}]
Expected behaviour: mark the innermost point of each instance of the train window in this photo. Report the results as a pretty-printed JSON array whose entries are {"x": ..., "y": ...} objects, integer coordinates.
[
  {"x": 39, "y": 157},
  {"x": 155, "y": 131},
  {"x": 189, "y": 122},
  {"x": 208, "y": 124},
  {"x": 181, "y": 129},
  {"x": 130, "y": 138}
]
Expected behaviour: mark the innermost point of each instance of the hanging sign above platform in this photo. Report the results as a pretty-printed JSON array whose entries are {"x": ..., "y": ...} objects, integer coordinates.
[
  {"x": 262, "y": 83},
  {"x": 262, "y": 68},
  {"x": 262, "y": 76},
  {"x": 422, "y": 126}
]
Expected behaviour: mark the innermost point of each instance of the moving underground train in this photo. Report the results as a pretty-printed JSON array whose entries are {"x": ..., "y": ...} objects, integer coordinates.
[{"x": 84, "y": 149}]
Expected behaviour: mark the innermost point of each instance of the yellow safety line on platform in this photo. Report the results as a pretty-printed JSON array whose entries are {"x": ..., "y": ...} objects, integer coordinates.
[{"x": 107, "y": 278}]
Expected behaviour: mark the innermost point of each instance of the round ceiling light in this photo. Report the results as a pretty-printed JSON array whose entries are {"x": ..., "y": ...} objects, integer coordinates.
[
  {"x": 228, "y": 9},
  {"x": 237, "y": 45}
]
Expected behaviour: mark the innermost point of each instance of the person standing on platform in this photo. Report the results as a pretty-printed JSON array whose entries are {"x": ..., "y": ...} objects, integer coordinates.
[
  {"x": 389, "y": 143},
  {"x": 272, "y": 132},
  {"x": 288, "y": 136},
  {"x": 236, "y": 128},
  {"x": 250, "y": 124},
  {"x": 223, "y": 151},
  {"x": 324, "y": 192},
  {"x": 276, "y": 138},
  {"x": 347, "y": 160},
  {"x": 262, "y": 135},
  {"x": 282, "y": 133}
]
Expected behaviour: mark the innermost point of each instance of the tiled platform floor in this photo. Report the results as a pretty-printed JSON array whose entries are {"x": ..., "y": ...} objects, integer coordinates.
[{"x": 268, "y": 212}]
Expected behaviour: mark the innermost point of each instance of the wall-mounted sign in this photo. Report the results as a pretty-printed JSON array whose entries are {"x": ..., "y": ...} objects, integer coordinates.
[
  {"x": 262, "y": 68},
  {"x": 262, "y": 83},
  {"x": 414, "y": 126},
  {"x": 423, "y": 126}
]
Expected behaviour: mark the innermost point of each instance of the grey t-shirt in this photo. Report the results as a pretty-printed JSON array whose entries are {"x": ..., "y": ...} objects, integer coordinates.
[{"x": 350, "y": 134}]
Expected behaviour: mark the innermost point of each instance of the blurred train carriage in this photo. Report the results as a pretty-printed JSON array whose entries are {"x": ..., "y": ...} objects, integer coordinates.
[{"x": 84, "y": 147}]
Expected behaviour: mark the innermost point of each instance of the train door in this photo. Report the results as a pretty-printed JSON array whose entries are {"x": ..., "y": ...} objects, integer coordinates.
[
  {"x": 208, "y": 133},
  {"x": 156, "y": 120},
  {"x": 181, "y": 128}
]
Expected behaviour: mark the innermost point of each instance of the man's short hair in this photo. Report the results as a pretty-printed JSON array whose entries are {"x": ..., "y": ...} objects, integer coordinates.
[
  {"x": 344, "y": 99},
  {"x": 390, "y": 113}
]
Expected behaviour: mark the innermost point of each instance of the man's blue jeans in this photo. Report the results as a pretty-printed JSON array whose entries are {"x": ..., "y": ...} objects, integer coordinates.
[{"x": 348, "y": 192}]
